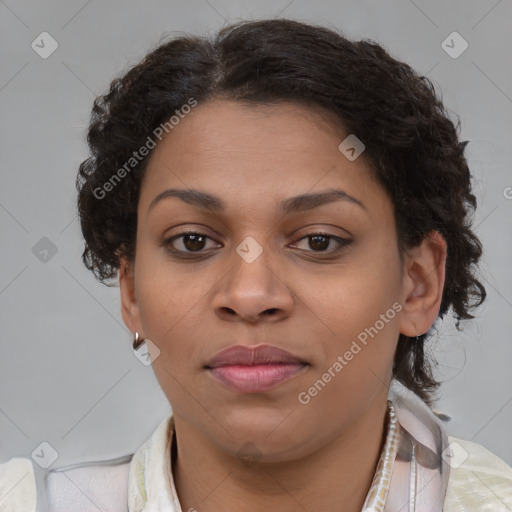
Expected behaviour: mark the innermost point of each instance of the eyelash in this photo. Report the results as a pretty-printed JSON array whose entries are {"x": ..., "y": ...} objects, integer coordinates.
[{"x": 343, "y": 242}]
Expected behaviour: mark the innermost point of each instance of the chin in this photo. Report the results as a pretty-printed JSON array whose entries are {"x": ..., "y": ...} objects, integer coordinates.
[{"x": 269, "y": 434}]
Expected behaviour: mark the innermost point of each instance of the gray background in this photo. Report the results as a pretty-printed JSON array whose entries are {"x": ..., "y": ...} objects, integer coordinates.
[{"x": 67, "y": 372}]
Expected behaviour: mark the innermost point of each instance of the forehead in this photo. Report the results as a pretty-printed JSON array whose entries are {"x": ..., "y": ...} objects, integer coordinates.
[
  {"x": 236, "y": 127},
  {"x": 268, "y": 152}
]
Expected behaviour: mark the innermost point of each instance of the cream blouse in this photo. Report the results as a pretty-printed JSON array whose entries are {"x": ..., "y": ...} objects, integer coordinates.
[{"x": 421, "y": 469}]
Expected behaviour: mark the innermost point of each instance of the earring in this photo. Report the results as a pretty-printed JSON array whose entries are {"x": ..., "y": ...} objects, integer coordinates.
[{"x": 137, "y": 342}]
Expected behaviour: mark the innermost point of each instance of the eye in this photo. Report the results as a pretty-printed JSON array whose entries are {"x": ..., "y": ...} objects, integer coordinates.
[
  {"x": 190, "y": 242},
  {"x": 319, "y": 242}
]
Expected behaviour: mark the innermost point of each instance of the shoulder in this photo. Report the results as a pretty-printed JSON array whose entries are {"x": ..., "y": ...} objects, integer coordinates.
[
  {"x": 82, "y": 488},
  {"x": 17, "y": 486},
  {"x": 479, "y": 480},
  {"x": 87, "y": 486}
]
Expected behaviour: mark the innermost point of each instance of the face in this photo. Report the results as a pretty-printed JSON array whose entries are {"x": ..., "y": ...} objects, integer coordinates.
[{"x": 318, "y": 277}]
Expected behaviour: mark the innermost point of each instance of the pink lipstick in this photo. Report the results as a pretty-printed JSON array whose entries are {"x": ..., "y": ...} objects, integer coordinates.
[{"x": 254, "y": 369}]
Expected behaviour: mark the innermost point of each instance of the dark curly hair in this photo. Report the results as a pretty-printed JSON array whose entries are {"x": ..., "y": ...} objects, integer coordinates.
[{"x": 411, "y": 145}]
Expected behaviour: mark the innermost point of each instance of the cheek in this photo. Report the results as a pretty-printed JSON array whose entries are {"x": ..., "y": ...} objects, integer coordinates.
[
  {"x": 166, "y": 300},
  {"x": 355, "y": 297},
  {"x": 357, "y": 361},
  {"x": 366, "y": 331},
  {"x": 359, "y": 306},
  {"x": 169, "y": 307}
]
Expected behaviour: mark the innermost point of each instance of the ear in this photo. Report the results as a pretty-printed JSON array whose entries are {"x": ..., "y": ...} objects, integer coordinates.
[
  {"x": 423, "y": 284},
  {"x": 129, "y": 306}
]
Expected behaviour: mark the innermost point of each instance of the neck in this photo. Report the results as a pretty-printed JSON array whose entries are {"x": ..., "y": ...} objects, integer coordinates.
[{"x": 335, "y": 477}]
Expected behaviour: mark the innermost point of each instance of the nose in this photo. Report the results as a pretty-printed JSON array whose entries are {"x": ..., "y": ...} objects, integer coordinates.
[{"x": 253, "y": 292}]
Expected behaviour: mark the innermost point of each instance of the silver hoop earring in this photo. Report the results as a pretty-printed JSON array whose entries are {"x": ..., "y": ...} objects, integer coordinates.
[{"x": 137, "y": 342}]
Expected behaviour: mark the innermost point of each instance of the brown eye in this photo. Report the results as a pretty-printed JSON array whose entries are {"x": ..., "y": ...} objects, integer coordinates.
[
  {"x": 194, "y": 242},
  {"x": 188, "y": 242},
  {"x": 320, "y": 242}
]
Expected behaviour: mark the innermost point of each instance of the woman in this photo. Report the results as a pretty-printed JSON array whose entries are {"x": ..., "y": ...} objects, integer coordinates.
[{"x": 287, "y": 213}]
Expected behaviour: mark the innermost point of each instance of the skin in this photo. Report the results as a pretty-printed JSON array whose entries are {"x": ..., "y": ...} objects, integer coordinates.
[{"x": 253, "y": 157}]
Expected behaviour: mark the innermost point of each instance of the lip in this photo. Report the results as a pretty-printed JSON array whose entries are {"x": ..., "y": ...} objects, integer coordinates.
[{"x": 254, "y": 369}]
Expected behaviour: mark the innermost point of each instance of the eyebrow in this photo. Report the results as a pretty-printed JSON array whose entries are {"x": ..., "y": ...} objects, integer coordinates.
[{"x": 295, "y": 204}]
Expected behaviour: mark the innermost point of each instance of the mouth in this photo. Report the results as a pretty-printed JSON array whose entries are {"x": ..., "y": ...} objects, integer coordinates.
[{"x": 254, "y": 370}]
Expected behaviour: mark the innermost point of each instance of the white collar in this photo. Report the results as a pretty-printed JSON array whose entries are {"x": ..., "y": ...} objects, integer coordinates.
[
  {"x": 151, "y": 485},
  {"x": 150, "y": 482}
]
